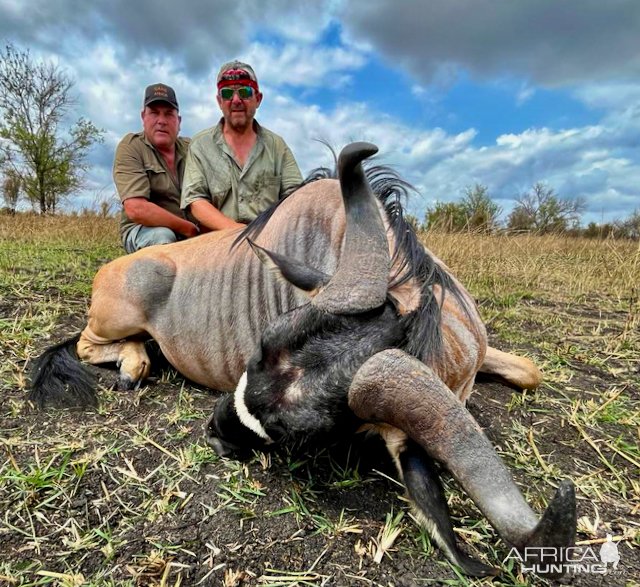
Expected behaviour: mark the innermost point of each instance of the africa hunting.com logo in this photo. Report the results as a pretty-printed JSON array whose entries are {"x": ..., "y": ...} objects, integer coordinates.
[{"x": 548, "y": 560}]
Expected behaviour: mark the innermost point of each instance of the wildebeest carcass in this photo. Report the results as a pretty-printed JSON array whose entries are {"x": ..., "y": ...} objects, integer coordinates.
[{"x": 207, "y": 304}]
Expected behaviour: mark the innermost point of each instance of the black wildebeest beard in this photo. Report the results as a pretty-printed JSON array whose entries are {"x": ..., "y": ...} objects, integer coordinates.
[{"x": 298, "y": 382}]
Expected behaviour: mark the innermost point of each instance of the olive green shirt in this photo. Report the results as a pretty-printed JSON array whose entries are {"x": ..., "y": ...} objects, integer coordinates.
[
  {"x": 241, "y": 193},
  {"x": 140, "y": 171}
]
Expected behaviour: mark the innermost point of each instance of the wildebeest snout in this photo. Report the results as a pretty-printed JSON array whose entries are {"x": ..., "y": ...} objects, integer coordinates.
[
  {"x": 212, "y": 431},
  {"x": 227, "y": 435}
]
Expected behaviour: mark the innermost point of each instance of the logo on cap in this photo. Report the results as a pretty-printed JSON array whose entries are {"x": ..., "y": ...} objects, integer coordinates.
[
  {"x": 160, "y": 91},
  {"x": 237, "y": 72}
]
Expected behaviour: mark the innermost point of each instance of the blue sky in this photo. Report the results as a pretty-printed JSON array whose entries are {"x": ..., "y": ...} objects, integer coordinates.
[{"x": 454, "y": 92}]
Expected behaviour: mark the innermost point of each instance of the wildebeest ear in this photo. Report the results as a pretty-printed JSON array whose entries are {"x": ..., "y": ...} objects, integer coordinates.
[{"x": 297, "y": 274}]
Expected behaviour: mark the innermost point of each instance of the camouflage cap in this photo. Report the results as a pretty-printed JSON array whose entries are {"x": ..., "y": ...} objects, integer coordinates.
[
  {"x": 160, "y": 93},
  {"x": 237, "y": 72}
]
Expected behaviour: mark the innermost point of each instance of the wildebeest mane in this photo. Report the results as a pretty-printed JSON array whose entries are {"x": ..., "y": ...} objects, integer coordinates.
[{"x": 410, "y": 258}]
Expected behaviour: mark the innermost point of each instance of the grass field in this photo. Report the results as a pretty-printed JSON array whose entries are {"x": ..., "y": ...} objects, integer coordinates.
[{"x": 131, "y": 495}]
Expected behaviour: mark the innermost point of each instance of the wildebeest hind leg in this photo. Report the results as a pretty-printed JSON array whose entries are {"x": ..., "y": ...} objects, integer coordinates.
[
  {"x": 130, "y": 355},
  {"x": 517, "y": 371}
]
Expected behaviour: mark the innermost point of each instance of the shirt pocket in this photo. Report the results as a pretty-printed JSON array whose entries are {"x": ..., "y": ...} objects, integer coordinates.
[
  {"x": 154, "y": 168},
  {"x": 157, "y": 174},
  {"x": 267, "y": 189},
  {"x": 160, "y": 183},
  {"x": 220, "y": 190}
]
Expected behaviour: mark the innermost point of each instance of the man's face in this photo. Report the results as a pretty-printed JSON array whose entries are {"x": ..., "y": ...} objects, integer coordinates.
[
  {"x": 161, "y": 124},
  {"x": 239, "y": 112}
]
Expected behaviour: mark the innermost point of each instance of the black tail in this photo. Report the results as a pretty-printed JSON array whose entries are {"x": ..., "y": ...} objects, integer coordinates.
[
  {"x": 59, "y": 379},
  {"x": 425, "y": 490}
]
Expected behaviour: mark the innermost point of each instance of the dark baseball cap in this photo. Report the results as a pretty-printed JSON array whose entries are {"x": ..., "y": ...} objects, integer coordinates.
[{"x": 160, "y": 93}]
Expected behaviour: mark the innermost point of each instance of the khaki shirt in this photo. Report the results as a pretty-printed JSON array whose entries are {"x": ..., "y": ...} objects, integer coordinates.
[
  {"x": 140, "y": 171},
  {"x": 212, "y": 173}
]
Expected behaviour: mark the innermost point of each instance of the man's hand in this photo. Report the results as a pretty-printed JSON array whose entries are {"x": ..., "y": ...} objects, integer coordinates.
[
  {"x": 190, "y": 230},
  {"x": 210, "y": 217}
]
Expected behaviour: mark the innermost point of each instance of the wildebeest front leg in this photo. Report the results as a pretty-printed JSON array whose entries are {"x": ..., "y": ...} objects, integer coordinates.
[
  {"x": 130, "y": 356},
  {"x": 397, "y": 389}
]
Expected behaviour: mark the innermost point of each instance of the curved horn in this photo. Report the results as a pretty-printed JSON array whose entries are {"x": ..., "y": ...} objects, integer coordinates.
[
  {"x": 360, "y": 282},
  {"x": 397, "y": 389}
]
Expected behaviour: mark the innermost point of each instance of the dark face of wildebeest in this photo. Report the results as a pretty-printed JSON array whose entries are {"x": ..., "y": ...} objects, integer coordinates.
[{"x": 295, "y": 386}]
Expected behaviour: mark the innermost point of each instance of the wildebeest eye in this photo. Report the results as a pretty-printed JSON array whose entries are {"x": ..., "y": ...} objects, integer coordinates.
[{"x": 270, "y": 355}]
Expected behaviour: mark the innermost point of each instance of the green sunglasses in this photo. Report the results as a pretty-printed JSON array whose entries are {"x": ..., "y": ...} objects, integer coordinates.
[{"x": 244, "y": 93}]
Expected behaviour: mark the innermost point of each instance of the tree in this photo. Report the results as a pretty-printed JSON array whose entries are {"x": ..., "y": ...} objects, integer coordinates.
[
  {"x": 446, "y": 216},
  {"x": 48, "y": 156},
  {"x": 542, "y": 211},
  {"x": 630, "y": 227},
  {"x": 481, "y": 211},
  {"x": 476, "y": 211},
  {"x": 11, "y": 187},
  {"x": 601, "y": 231}
]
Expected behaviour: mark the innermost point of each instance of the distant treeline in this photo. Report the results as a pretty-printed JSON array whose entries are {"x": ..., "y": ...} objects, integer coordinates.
[{"x": 539, "y": 211}]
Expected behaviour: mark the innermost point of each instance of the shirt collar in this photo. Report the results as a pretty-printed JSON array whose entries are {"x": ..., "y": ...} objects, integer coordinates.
[
  {"x": 218, "y": 128},
  {"x": 181, "y": 147}
]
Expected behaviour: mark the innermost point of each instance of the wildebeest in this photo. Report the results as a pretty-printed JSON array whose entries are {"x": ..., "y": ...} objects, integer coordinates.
[{"x": 406, "y": 343}]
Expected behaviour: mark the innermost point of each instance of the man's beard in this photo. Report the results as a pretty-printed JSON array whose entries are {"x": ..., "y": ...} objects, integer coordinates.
[{"x": 235, "y": 122}]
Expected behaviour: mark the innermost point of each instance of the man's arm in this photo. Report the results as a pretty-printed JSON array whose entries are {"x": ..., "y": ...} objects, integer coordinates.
[
  {"x": 197, "y": 198},
  {"x": 210, "y": 218},
  {"x": 133, "y": 187},
  {"x": 142, "y": 211}
]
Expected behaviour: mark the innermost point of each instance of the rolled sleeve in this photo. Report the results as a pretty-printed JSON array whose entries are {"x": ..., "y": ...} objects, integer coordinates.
[{"x": 129, "y": 173}]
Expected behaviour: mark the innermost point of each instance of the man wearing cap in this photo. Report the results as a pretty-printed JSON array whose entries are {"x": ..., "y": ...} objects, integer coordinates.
[
  {"x": 236, "y": 169},
  {"x": 148, "y": 171}
]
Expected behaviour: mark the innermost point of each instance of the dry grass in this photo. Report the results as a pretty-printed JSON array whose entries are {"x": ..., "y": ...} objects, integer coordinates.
[
  {"x": 566, "y": 268},
  {"x": 72, "y": 231}
]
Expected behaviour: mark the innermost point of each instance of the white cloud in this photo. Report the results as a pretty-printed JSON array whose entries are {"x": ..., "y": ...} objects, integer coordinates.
[
  {"x": 609, "y": 96},
  {"x": 525, "y": 93},
  {"x": 442, "y": 165},
  {"x": 303, "y": 65}
]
